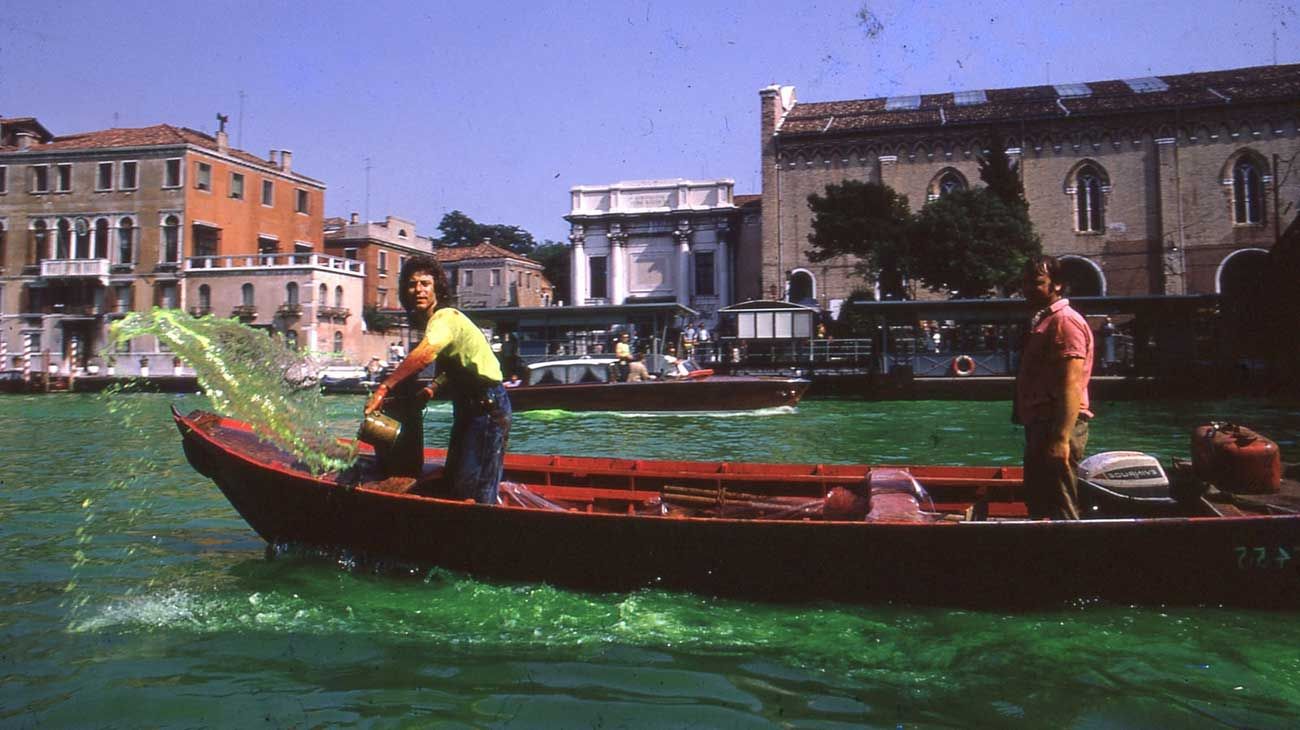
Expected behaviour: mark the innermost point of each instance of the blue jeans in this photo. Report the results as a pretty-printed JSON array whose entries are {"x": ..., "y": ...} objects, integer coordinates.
[{"x": 480, "y": 431}]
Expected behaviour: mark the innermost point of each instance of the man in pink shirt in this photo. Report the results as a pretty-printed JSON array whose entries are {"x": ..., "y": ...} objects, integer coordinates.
[{"x": 1052, "y": 393}]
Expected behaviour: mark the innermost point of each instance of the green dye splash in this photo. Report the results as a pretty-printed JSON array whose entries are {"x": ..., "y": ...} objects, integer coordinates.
[{"x": 250, "y": 376}]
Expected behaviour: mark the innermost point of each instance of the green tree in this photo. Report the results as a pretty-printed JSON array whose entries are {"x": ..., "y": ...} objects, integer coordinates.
[
  {"x": 868, "y": 221},
  {"x": 970, "y": 242},
  {"x": 458, "y": 229},
  {"x": 1001, "y": 175},
  {"x": 555, "y": 260}
]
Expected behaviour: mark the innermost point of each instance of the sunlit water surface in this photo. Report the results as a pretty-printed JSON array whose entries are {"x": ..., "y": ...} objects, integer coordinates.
[{"x": 134, "y": 595}]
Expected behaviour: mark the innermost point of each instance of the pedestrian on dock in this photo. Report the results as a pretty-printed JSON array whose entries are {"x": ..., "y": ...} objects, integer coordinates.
[
  {"x": 467, "y": 370},
  {"x": 1051, "y": 398}
]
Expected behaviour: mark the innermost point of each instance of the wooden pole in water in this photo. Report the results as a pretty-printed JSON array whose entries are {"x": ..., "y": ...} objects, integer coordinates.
[{"x": 27, "y": 359}]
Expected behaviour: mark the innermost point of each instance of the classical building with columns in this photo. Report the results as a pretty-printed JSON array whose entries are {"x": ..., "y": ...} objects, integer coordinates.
[
  {"x": 658, "y": 241},
  {"x": 1174, "y": 184}
]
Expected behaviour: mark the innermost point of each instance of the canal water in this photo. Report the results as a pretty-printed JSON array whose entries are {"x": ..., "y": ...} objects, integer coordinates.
[{"x": 133, "y": 595}]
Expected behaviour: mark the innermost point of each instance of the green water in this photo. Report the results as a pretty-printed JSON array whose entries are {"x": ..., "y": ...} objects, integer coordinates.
[{"x": 134, "y": 595}]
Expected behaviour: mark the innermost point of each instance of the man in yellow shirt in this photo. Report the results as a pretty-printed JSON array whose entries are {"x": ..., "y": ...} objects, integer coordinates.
[{"x": 467, "y": 370}]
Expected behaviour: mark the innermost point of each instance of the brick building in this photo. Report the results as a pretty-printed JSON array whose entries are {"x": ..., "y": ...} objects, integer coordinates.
[
  {"x": 102, "y": 223},
  {"x": 383, "y": 246},
  {"x": 485, "y": 275},
  {"x": 1155, "y": 185}
]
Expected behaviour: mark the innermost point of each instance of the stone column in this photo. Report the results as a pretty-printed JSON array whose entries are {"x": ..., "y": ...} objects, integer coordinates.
[
  {"x": 722, "y": 266},
  {"x": 682, "y": 236},
  {"x": 618, "y": 284},
  {"x": 578, "y": 277}
]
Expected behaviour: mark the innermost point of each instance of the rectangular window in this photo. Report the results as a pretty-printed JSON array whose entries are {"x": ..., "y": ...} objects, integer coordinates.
[
  {"x": 130, "y": 175},
  {"x": 104, "y": 176},
  {"x": 236, "y": 186},
  {"x": 597, "y": 279},
  {"x": 401, "y": 263},
  {"x": 203, "y": 176},
  {"x": 383, "y": 263},
  {"x": 469, "y": 277},
  {"x": 172, "y": 173},
  {"x": 494, "y": 277},
  {"x": 383, "y": 298},
  {"x": 122, "y": 298},
  {"x": 704, "y": 274},
  {"x": 268, "y": 193},
  {"x": 301, "y": 205},
  {"x": 4, "y": 180},
  {"x": 40, "y": 178},
  {"x": 63, "y": 177},
  {"x": 350, "y": 253}
]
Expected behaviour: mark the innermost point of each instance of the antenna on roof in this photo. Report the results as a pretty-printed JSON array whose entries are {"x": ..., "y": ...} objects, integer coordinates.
[
  {"x": 221, "y": 121},
  {"x": 367, "y": 207},
  {"x": 239, "y": 133}
]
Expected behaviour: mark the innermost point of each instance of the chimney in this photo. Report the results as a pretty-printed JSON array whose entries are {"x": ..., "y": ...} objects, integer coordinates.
[
  {"x": 286, "y": 160},
  {"x": 271, "y": 157},
  {"x": 356, "y": 218},
  {"x": 25, "y": 140},
  {"x": 223, "y": 141}
]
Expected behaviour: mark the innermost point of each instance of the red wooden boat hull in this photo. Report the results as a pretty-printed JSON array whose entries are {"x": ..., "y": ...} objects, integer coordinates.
[
  {"x": 715, "y": 393},
  {"x": 1213, "y": 560}
]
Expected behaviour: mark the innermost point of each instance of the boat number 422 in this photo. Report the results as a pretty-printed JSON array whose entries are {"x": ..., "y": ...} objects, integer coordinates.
[{"x": 1253, "y": 558}]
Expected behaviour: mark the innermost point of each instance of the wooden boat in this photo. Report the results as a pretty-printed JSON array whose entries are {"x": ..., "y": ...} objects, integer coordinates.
[
  {"x": 763, "y": 531},
  {"x": 585, "y": 384},
  {"x": 346, "y": 379}
]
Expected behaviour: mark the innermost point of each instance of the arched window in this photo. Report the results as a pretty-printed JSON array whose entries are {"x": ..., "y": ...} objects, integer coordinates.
[
  {"x": 1089, "y": 204},
  {"x": 291, "y": 293},
  {"x": 1082, "y": 277},
  {"x": 171, "y": 239},
  {"x": 291, "y": 339},
  {"x": 126, "y": 241},
  {"x": 338, "y": 297},
  {"x": 338, "y": 343},
  {"x": 947, "y": 180},
  {"x": 81, "y": 231},
  {"x": 205, "y": 298},
  {"x": 101, "y": 238},
  {"x": 322, "y": 296},
  {"x": 63, "y": 239},
  {"x": 39, "y": 247},
  {"x": 246, "y": 295},
  {"x": 1247, "y": 192}
]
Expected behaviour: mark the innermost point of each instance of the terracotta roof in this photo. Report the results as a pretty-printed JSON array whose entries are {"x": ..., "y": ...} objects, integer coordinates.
[
  {"x": 1254, "y": 84},
  {"x": 159, "y": 135},
  {"x": 482, "y": 250}
]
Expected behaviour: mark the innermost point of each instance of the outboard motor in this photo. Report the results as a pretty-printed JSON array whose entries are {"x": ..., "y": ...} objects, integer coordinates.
[{"x": 1124, "y": 484}]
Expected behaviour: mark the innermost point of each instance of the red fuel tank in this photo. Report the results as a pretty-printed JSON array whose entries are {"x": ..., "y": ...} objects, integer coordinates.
[{"x": 1236, "y": 459}]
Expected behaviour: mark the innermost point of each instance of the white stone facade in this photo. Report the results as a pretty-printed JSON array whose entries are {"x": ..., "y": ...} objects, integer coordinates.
[{"x": 654, "y": 241}]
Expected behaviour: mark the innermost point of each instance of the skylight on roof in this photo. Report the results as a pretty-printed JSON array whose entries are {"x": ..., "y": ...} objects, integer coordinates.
[
  {"x": 899, "y": 103},
  {"x": 1073, "y": 90},
  {"x": 970, "y": 98},
  {"x": 1147, "y": 84}
]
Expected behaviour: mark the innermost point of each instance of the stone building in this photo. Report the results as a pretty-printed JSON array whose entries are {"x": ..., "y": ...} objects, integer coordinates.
[
  {"x": 485, "y": 275},
  {"x": 98, "y": 224},
  {"x": 1153, "y": 185},
  {"x": 660, "y": 241}
]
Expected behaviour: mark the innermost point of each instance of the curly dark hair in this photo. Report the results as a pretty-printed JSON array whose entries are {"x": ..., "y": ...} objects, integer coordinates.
[
  {"x": 1049, "y": 265},
  {"x": 423, "y": 263}
]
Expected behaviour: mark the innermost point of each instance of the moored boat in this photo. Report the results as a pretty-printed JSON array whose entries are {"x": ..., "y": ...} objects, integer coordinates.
[
  {"x": 585, "y": 384},
  {"x": 946, "y": 535}
]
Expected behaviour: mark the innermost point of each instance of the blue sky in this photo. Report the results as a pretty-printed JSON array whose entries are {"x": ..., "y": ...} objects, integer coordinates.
[{"x": 497, "y": 109}]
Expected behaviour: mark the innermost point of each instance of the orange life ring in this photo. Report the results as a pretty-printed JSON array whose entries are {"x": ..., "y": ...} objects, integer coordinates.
[{"x": 963, "y": 365}]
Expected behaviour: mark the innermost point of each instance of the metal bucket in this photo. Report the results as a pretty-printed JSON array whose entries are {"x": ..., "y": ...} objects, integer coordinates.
[{"x": 379, "y": 430}]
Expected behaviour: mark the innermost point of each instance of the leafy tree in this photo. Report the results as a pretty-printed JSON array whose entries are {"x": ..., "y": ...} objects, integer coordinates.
[
  {"x": 1001, "y": 175},
  {"x": 555, "y": 260},
  {"x": 458, "y": 229},
  {"x": 970, "y": 242},
  {"x": 866, "y": 220}
]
